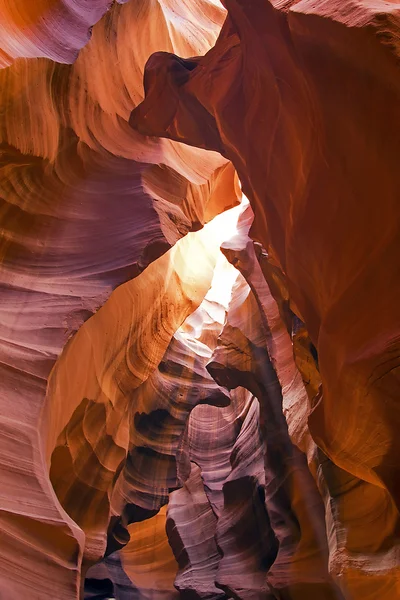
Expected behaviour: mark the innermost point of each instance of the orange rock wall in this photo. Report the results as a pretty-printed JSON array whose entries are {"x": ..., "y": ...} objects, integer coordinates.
[{"x": 177, "y": 421}]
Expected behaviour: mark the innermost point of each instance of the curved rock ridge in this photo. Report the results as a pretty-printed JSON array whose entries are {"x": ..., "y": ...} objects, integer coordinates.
[
  {"x": 76, "y": 222},
  {"x": 224, "y": 500},
  {"x": 31, "y": 29},
  {"x": 60, "y": 262},
  {"x": 298, "y": 155},
  {"x": 100, "y": 437},
  {"x": 246, "y": 489},
  {"x": 158, "y": 434},
  {"x": 306, "y": 107},
  {"x": 42, "y": 101},
  {"x": 145, "y": 568},
  {"x": 254, "y": 351},
  {"x": 356, "y": 554},
  {"x": 186, "y": 412}
]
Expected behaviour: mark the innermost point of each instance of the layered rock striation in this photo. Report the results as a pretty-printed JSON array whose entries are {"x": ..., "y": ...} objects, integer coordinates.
[
  {"x": 306, "y": 107},
  {"x": 199, "y": 391}
]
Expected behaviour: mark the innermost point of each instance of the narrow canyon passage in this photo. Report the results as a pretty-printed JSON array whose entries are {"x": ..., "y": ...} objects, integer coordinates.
[{"x": 199, "y": 292}]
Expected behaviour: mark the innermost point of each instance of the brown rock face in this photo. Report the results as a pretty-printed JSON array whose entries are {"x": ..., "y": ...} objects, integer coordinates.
[
  {"x": 306, "y": 107},
  {"x": 199, "y": 391}
]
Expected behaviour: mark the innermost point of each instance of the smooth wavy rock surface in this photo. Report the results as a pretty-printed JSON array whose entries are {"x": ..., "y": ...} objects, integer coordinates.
[
  {"x": 77, "y": 222},
  {"x": 307, "y": 109},
  {"x": 298, "y": 166},
  {"x": 187, "y": 411}
]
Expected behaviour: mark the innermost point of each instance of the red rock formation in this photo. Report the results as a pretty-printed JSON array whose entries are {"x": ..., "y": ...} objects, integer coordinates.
[
  {"x": 76, "y": 223},
  {"x": 31, "y": 29},
  {"x": 306, "y": 107},
  {"x": 173, "y": 425}
]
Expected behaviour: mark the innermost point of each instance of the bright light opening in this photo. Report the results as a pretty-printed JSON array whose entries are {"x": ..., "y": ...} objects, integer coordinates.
[{"x": 224, "y": 227}]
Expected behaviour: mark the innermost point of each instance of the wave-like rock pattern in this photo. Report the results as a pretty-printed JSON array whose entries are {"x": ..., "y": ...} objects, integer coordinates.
[
  {"x": 112, "y": 354},
  {"x": 161, "y": 408},
  {"x": 32, "y": 29},
  {"x": 191, "y": 527},
  {"x": 306, "y": 108},
  {"x": 76, "y": 223},
  {"x": 252, "y": 351},
  {"x": 304, "y": 137},
  {"x": 244, "y": 532},
  {"x": 145, "y": 568},
  {"x": 349, "y": 501}
]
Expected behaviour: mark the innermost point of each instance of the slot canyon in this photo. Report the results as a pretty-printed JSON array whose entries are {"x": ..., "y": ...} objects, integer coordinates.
[{"x": 199, "y": 300}]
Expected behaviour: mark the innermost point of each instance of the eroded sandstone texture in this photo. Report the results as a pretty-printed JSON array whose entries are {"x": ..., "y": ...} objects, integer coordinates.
[{"x": 198, "y": 390}]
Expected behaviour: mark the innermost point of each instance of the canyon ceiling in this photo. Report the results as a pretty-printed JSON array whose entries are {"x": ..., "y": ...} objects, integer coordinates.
[{"x": 200, "y": 299}]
